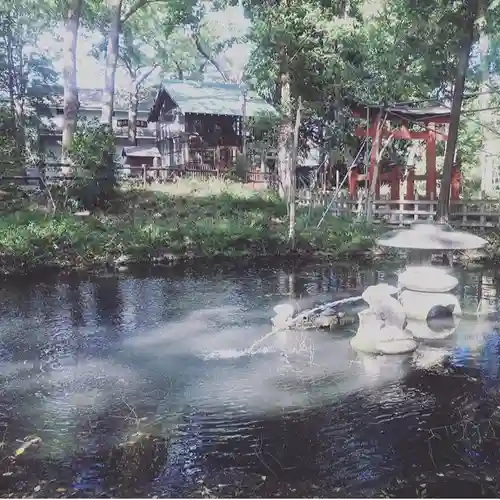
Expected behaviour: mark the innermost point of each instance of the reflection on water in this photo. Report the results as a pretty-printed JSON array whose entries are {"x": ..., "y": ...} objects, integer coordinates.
[{"x": 143, "y": 386}]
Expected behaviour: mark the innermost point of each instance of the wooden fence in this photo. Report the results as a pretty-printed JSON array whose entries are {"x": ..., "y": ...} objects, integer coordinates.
[
  {"x": 142, "y": 175},
  {"x": 463, "y": 213}
]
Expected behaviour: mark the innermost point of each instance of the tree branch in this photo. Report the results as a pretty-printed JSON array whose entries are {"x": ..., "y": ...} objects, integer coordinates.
[
  {"x": 180, "y": 72},
  {"x": 145, "y": 76},
  {"x": 128, "y": 65},
  {"x": 139, "y": 4},
  {"x": 205, "y": 53}
]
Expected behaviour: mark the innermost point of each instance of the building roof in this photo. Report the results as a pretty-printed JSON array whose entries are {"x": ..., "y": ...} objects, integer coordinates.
[
  {"x": 141, "y": 151},
  {"x": 423, "y": 113},
  {"x": 212, "y": 99},
  {"x": 91, "y": 99},
  {"x": 405, "y": 112}
]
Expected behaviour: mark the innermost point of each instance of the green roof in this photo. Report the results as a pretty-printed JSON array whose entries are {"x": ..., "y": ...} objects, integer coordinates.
[{"x": 215, "y": 98}]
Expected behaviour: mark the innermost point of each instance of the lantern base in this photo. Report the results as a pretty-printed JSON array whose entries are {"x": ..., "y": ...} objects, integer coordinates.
[
  {"x": 431, "y": 316},
  {"x": 424, "y": 306},
  {"x": 375, "y": 336}
]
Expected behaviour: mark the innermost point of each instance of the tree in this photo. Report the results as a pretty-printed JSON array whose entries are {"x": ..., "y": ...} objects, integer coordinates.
[
  {"x": 27, "y": 77},
  {"x": 119, "y": 13},
  {"x": 367, "y": 52},
  {"x": 456, "y": 107},
  {"x": 484, "y": 102},
  {"x": 112, "y": 51},
  {"x": 139, "y": 68},
  {"x": 73, "y": 9}
]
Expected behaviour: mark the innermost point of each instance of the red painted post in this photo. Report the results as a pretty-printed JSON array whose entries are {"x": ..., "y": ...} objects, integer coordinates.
[
  {"x": 395, "y": 182},
  {"x": 456, "y": 181},
  {"x": 353, "y": 182},
  {"x": 410, "y": 185},
  {"x": 374, "y": 151},
  {"x": 430, "y": 160}
]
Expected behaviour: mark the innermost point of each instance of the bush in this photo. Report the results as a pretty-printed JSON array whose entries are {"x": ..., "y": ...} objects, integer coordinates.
[{"x": 205, "y": 220}]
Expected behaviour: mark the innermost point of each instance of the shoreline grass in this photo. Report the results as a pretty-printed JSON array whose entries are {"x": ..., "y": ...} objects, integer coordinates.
[{"x": 186, "y": 220}]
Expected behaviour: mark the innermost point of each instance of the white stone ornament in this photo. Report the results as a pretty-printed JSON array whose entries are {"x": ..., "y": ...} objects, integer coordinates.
[
  {"x": 382, "y": 326},
  {"x": 433, "y": 312}
]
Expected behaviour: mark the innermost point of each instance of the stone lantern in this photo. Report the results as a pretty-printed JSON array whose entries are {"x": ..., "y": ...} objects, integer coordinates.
[
  {"x": 422, "y": 306},
  {"x": 432, "y": 311}
]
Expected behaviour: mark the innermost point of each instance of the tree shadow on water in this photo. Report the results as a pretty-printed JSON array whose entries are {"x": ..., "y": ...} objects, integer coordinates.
[
  {"x": 460, "y": 440},
  {"x": 105, "y": 465}
]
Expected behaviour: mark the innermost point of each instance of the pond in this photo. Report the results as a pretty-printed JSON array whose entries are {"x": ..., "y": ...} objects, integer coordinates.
[{"x": 143, "y": 385}]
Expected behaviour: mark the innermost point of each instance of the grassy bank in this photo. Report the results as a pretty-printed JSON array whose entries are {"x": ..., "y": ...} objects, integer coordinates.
[{"x": 186, "y": 220}]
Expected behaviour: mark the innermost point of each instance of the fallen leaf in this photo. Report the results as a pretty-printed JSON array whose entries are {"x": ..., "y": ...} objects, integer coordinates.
[{"x": 26, "y": 445}]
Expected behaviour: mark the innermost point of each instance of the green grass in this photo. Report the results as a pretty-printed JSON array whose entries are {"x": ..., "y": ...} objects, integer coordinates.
[{"x": 187, "y": 219}]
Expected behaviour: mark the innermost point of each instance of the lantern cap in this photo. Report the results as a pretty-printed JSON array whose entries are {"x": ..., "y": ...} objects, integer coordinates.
[{"x": 430, "y": 236}]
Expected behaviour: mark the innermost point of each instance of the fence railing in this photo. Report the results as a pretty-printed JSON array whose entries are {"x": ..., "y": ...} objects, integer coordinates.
[
  {"x": 142, "y": 174},
  {"x": 463, "y": 213}
]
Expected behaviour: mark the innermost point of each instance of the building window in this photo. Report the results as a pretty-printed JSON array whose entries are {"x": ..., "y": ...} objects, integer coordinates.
[
  {"x": 197, "y": 126},
  {"x": 60, "y": 111},
  {"x": 169, "y": 116}
]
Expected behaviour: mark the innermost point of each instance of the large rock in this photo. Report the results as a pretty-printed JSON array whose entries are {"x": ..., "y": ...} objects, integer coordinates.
[
  {"x": 382, "y": 326},
  {"x": 374, "y": 336}
]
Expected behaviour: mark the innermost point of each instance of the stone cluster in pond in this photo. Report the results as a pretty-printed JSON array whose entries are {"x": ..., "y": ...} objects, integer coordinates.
[
  {"x": 424, "y": 309},
  {"x": 328, "y": 316}
]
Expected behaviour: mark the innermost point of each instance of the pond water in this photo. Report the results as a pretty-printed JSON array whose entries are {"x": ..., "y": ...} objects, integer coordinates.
[{"x": 142, "y": 385}]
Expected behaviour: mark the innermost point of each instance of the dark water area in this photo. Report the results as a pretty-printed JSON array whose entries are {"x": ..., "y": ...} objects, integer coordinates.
[{"x": 142, "y": 385}]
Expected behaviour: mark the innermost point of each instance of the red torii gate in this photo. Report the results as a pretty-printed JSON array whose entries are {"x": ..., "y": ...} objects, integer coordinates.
[{"x": 432, "y": 119}]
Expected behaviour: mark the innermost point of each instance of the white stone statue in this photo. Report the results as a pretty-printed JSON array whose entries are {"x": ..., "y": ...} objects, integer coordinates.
[
  {"x": 284, "y": 313},
  {"x": 433, "y": 312},
  {"x": 382, "y": 326}
]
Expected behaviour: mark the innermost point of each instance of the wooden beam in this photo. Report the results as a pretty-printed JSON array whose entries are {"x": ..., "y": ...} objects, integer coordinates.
[
  {"x": 400, "y": 134},
  {"x": 430, "y": 161}
]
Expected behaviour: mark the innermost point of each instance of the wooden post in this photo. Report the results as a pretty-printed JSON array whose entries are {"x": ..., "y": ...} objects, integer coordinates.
[
  {"x": 376, "y": 136},
  {"x": 395, "y": 181},
  {"x": 217, "y": 160},
  {"x": 144, "y": 175},
  {"x": 430, "y": 161}
]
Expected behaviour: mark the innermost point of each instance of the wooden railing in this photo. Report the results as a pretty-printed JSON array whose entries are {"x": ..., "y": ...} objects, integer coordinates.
[
  {"x": 154, "y": 175},
  {"x": 463, "y": 213}
]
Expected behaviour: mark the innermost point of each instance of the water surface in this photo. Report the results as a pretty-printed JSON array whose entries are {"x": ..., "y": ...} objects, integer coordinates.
[{"x": 142, "y": 385}]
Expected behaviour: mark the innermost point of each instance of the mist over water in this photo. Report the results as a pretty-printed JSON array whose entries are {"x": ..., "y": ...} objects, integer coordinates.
[{"x": 90, "y": 364}]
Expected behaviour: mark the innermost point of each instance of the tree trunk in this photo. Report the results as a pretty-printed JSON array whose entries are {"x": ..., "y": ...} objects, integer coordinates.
[
  {"x": 133, "y": 104},
  {"x": 108, "y": 94},
  {"x": 489, "y": 138},
  {"x": 376, "y": 154},
  {"x": 443, "y": 207},
  {"x": 285, "y": 129},
  {"x": 71, "y": 104},
  {"x": 244, "y": 124},
  {"x": 291, "y": 198},
  {"x": 180, "y": 72},
  {"x": 14, "y": 71}
]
